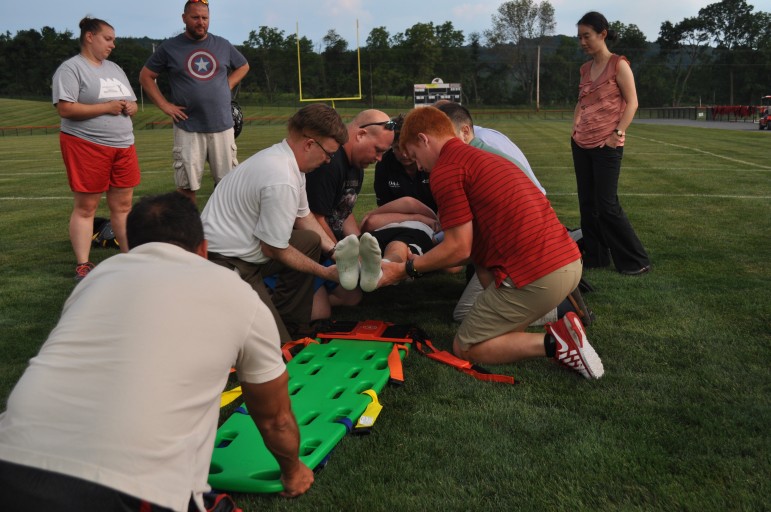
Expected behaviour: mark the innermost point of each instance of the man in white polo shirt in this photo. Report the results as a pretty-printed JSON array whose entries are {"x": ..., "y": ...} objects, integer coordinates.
[{"x": 258, "y": 221}]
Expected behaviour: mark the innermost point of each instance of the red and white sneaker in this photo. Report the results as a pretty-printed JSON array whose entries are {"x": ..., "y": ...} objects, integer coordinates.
[{"x": 573, "y": 349}]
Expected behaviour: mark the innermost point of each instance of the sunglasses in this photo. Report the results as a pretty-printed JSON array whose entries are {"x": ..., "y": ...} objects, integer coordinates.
[
  {"x": 330, "y": 155},
  {"x": 388, "y": 125}
]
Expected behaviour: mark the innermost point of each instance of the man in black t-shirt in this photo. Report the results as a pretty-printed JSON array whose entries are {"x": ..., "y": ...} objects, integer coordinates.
[
  {"x": 397, "y": 175},
  {"x": 334, "y": 187}
]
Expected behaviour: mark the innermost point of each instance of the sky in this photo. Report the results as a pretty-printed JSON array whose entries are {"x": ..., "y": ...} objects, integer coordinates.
[{"x": 234, "y": 19}]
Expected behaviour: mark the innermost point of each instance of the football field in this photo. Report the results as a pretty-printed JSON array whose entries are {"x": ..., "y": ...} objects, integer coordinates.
[{"x": 679, "y": 421}]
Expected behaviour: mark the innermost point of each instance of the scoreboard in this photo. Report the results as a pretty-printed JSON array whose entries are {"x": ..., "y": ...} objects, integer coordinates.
[{"x": 427, "y": 94}]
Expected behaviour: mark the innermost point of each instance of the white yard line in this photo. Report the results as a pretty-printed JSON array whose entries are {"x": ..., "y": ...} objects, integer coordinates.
[{"x": 744, "y": 162}]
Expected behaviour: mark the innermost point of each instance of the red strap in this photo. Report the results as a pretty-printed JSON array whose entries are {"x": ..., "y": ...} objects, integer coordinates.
[{"x": 286, "y": 347}]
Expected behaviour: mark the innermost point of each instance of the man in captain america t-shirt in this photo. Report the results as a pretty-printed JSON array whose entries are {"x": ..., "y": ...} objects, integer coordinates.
[{"x": 202, "y": 68}]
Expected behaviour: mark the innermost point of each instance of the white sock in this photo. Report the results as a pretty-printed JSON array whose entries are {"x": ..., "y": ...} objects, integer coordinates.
[
  {"x": 369, "y": 252},
  {"x": 347, "y": 261}
]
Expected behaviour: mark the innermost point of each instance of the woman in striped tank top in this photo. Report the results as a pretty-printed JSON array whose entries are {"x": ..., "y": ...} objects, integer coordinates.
[{"x": 607, "y": 102}]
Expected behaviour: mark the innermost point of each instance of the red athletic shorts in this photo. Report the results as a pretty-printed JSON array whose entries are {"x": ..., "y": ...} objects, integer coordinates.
[{"x": 93, "y": 168}]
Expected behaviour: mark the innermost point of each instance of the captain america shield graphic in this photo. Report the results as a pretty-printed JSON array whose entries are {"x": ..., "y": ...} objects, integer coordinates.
[{"x": 202, "y": 65}]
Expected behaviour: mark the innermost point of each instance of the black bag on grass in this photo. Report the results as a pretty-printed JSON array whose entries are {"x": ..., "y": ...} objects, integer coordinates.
[
  {"x": 104, "y": 236},
  {"x": 575, "y": 303}
]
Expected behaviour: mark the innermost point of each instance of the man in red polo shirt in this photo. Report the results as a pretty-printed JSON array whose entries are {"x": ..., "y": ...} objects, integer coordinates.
[{"x": 493, "y": 215}]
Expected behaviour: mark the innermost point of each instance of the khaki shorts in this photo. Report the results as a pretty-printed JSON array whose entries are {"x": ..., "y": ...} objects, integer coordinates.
[
  {"x": 192, "y": 150},
  {"x": 503, "y": 309}
]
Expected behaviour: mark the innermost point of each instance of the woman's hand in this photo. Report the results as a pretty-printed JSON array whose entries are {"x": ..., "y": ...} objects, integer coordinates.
[
  {"x": 615, "y": 140},
  {"x": 130, "y": 108}
]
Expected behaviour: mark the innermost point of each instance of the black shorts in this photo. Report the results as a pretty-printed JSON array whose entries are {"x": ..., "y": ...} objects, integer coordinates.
[{"x": 417, "y": 240}]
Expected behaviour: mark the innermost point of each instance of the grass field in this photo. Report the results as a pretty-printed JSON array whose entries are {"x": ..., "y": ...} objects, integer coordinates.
[{"x": 680, "y": 420}]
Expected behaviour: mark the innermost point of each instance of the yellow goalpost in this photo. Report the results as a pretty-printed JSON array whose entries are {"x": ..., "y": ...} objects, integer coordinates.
[{"x": 300, "y": 72}]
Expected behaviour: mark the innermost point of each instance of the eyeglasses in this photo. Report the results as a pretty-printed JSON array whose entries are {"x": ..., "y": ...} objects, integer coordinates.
[
  {"x": 388, "y": 125},
  {"x": 330, "y": 155}
]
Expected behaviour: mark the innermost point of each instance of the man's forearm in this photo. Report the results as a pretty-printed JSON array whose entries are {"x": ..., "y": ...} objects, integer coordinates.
[
  {"x": 350, "y": 226},
  {"x": 237, "y": 75},
  {"x": 296, "y": 260},
  {"x": 282, "y": 439},
  {"x": 311, "y": 223},
  {"x": 453, "y": 250},
  {"x": 271, "y": 410},
  {"x": 150, "y": 87},
  {"x": 322, "y": 221}
]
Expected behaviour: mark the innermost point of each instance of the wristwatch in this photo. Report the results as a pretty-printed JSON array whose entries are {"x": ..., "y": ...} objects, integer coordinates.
[
  {"x": 618, "y": 132},
  {"x": 409, "y": 268}
]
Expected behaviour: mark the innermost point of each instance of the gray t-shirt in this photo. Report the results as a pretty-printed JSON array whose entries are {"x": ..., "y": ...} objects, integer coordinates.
[
  {"x": 79, "y": 81},
  {"x": 198, "y": 75}
]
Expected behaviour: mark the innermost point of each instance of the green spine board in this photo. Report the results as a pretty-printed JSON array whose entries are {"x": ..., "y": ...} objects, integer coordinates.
[{"x": 325, "y": 385}]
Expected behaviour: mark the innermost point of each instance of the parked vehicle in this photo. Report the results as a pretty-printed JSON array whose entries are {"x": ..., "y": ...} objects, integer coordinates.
[{"x": 765, "y": 113}]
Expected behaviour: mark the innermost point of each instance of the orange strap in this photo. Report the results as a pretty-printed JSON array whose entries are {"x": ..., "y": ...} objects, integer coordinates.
[
  {"x": 426, "y": 348},
  {"x": 402, "y": 336},
  {"x": 395, "y": 363},
  {"x": 286, "y": 347}
]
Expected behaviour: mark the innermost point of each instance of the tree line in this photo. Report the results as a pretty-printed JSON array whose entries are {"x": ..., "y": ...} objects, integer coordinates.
[{"x": 720, "y": 56}]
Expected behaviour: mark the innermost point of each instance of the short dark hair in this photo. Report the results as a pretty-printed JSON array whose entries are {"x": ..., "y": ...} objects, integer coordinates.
[
  {"x": 93, "y": 25},
  {"x": 458, "y": 114},
  {"x": 170, "y": 218},
  {"x": 319, "y": 120},
  {"x": 399, "y": 121},
  {"x": 599, "y": 23}
]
